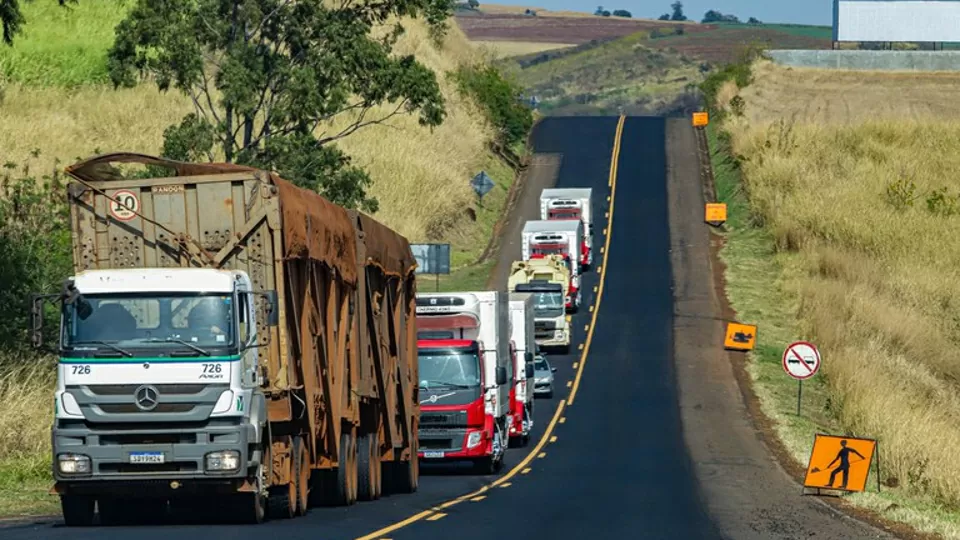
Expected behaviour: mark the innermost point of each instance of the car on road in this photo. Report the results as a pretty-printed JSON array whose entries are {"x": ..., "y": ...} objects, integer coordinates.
[{"x": 543, "y": 377}]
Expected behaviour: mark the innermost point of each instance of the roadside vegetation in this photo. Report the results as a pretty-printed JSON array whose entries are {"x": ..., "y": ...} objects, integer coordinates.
[
  {"x": 57, "y": 105},
  {"x": 844, "y": 219}
]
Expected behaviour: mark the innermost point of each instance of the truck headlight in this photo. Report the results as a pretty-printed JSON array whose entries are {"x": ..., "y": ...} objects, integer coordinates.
[
  {"x": 223, "y": 461},
  {"x": 473, "y": 439},
  {"x": 73, "y": 464}
]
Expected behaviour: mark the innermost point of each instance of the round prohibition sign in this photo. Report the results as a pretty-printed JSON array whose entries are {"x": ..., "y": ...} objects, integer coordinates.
[
  {"x": 801, "y": 360},
  {"x": 124, "y": 205}
]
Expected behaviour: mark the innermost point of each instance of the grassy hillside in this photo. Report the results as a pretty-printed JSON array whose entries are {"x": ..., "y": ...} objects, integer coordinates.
[
  {"x": 602, "y": 77},
  {"x": 844, "y": 228},
  {"x": 56, "y": 108}
]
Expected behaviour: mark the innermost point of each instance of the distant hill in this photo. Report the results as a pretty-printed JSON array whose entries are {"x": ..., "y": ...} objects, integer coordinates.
[{"x": 715, "y": 43}]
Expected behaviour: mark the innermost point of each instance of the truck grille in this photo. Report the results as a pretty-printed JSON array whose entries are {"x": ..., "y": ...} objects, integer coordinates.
[
  {"x": 118, "y": 403},
  {"x": 443, "y": 420},
  {"x": 543, "y": 326},
  {"x": 447, "y": 440}
]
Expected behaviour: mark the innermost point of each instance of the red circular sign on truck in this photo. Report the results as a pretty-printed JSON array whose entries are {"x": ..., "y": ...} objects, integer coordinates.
[
  {"x": 124, "y": 205},
  {"x": 801, "y": 360}
]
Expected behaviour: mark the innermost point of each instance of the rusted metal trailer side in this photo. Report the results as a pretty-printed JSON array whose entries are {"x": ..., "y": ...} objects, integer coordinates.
[{"x": 341, "y": 367}]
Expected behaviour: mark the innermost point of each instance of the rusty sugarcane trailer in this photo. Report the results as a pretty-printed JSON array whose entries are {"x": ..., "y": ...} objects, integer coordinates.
[{"x": 338, "y": 370}]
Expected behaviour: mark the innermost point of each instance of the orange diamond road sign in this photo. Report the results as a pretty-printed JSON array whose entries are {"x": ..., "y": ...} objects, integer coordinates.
[
  {"x": 700, "y": 119},
  {"x": 740, "y": 337},
  {"x": 715, "y": 213},
  {"x": 840, "y": 463}
]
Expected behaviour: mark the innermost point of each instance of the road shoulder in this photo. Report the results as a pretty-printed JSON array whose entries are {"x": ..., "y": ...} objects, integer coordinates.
[{"x": 746, "y": 491}]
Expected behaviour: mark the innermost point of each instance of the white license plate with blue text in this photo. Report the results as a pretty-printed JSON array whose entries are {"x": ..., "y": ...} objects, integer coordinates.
[{"x": 433, "y": 455}]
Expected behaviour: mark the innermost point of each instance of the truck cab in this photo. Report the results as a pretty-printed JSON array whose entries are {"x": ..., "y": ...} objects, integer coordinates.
[
  {"x": 564, "y": 238},
  {"x": 465, "y": 377},
  {"x": 571, "y": 204},
  {"x": 551, "y": 328},
  {"x": 158, "y": 378}
]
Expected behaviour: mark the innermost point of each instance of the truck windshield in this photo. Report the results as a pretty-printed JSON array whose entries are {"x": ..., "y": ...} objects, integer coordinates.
[
  {"x": 564, "y": 213},
  {"x": 151, "y": 321},
  {"x": 448, "y": 368},
  {"x": 548, "y": 305},
  {"x": 549, "y": 249}
]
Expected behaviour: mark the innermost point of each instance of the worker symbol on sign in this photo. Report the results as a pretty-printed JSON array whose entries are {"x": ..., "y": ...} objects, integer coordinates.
[
  {"x": 740, "y": 337},
  {"x": 843, "y": 456}
]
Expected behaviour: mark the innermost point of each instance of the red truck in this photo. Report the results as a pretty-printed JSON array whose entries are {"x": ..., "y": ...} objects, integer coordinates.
[{"x": 465, "y": 371}]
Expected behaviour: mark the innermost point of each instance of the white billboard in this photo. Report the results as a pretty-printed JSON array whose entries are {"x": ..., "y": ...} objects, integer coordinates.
[{"x": 896, "y": 20}]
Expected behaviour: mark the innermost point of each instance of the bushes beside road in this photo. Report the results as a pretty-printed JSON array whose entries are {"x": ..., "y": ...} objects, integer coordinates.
[{"x": 846, "y": 231}]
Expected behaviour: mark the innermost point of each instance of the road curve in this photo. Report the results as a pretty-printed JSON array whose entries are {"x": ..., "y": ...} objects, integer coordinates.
[{"x": 616, "y": 462}]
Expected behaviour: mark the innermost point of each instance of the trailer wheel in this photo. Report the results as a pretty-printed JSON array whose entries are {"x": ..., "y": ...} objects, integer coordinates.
[
  {"x": 77, "y": 510},
  {"x": 368, "y": 469},
  {"x": 405, "y": 476},
  {"x": 345, "y": 488},
  {"x": 303, "y": 476},
  {"x": 282, "y": 502}
]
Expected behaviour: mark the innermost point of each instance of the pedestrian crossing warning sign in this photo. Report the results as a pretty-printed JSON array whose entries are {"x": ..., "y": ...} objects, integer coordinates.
[
  {"x": 740, "y": 337},
  {"x": 839, "y": 463}
]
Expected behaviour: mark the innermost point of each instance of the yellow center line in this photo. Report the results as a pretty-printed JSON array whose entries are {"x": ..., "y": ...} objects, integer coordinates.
[
  {"x": 603, "y": 269},
  {"x": 434, "y": 513}
]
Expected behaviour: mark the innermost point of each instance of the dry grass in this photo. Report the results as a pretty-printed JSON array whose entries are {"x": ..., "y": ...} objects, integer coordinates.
[
  {"x": 876, "y": 286},
  {"x": 829, "y": 96},
  {"x": 420, "y": 176},
  {"x": 506, "y": 49},
  {"x": 499, "y": 9}
]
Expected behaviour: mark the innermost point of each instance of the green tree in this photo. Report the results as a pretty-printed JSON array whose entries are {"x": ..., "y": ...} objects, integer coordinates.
[
  {"x": 265, "y": 75},
  {"x": 11, "y": 18},
  {"x": 622, "y": 13},
  {"x": 500, "y": 100},
  {"x": 473, "y": 3},
  {"x": 677, "y": 8}
]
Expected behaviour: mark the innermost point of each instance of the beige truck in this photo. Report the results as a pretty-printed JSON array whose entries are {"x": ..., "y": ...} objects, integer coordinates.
[{"x": 548, "y": 279}]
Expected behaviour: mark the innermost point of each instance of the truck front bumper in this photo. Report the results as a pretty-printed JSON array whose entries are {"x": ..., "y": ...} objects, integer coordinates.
[{"x": 148, "y": 457}]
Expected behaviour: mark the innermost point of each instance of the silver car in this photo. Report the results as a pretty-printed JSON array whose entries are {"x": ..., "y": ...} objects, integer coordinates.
[{"x": 542, "y": 377}]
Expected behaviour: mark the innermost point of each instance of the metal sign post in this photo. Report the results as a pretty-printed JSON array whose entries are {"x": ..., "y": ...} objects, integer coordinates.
[
  {"x": 801, "y": 360},
  {"x": 482, "y": 184},
  {"x": 432, "y": 259}
]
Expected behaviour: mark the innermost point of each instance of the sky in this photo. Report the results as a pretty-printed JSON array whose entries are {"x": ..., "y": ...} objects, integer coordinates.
[{"x": 774, "y": 11}]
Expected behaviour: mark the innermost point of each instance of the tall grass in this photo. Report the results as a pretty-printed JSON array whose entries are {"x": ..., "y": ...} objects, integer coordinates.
[
  {"x": 862, "y": 209},
  {"x": 63, "y": 46}
]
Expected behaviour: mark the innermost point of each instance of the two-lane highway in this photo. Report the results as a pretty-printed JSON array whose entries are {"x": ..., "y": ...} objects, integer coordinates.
[{"x": 616, "y": 463}]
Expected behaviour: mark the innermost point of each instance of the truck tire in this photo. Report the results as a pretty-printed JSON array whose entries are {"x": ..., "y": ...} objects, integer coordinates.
[
  {"x": 405, "y": 476},
  {"x": 303, "y": 476},
  {"x": 485, "y": 465},
  {"x": 282, "y": 502},
  {"x": 368, "y": 467},
  {"x": 78, "y": 510},
  {"x": 251, "y": 508},
  {"x": 344, "y": 488}
]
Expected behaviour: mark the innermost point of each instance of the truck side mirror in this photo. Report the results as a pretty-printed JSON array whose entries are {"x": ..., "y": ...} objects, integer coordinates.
[
  {"x": 37, "y": 303},
  {"x": 529, "y": 370},
  {"x": 553, "y": 369},
  {"x": 528, "y": 357},
  {"x": 501, "y": 375}
]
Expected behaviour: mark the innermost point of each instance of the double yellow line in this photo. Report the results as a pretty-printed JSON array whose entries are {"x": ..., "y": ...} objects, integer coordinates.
[{"x": 436, "y": 512}]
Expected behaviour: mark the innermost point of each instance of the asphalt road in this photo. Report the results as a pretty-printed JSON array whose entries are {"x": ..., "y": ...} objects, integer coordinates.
[{"x": 587, "y": 144}]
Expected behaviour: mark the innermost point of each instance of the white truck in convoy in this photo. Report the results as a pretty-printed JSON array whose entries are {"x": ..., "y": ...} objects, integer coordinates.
[
  {"x": 557, "y": 237},
  {"x": 465, "y": 371},
  {"x": 547, "y": 279},
  {"x": 524, "y": 345},
  {"x": 571, "y": 204}
]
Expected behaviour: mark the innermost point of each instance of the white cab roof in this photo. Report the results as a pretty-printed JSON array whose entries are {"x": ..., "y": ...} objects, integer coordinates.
[
  {"x": 566, "y": 193},
  {"x": 130, "y": 280},
  {"x": 552, "y": 226}
]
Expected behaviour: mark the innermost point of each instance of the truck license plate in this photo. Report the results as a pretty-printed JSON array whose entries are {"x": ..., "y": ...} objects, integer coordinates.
[
  {"x": 431, "y": 455},
  {"x": 146, "y": 457}
]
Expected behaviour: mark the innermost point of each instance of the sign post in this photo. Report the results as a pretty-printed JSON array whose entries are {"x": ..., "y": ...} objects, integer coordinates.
[
  {"x": 432, "y": 259},
  {"x": 801, "y": 360}
]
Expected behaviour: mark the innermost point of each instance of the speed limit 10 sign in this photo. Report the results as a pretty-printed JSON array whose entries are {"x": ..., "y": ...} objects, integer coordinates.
[{"x": 124, "y": 205}]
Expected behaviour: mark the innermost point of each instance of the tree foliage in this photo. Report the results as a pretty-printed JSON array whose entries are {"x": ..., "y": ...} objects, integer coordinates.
[
  {"x": 12, "y": 20},
  {"x": 677, "y": 8},
  {"x": 716, "y": 16},
  {"x": 622, "y": 13},
  {"x": 266, "y": 75},
  {"x": 500, "y": 100}
]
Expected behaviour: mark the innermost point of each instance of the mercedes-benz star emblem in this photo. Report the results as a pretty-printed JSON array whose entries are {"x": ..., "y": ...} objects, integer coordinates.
[{"x": 146, "y": 397}]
